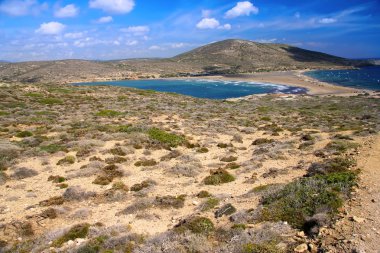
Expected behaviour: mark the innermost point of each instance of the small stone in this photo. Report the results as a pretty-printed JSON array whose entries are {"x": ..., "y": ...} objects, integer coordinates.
[
  {"x": 301, "y": 248},
  {"x": 19, "y": 239},
  {"x": 313, "y": 248},
  {"x": 80, "y": 241},
  {"x": 358, "y": 219},
  {"x": 195, "y": 203},
  {"x": 301, "y": 234},
  {"x": 71, "y": 242}
]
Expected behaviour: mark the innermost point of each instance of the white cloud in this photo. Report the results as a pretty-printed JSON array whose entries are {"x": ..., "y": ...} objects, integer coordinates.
[
  {"x": 245, "y": 8},
  {"x": 136, "y": 30},
  {"x": 178, "y": 45},
  {"x": 51, "y": 28},
  {"x": 73, "y": 35},
  {"x": 68, "y": 11},
  {"x": 132, "y": 43},
  {"x": 104, "y": 20},
  {"x": 22, "y": 7},
  {"x": 208, "y": 23},
  {"x": 155, "y": 48},
  {"x": 327, "y": 20},
  {"x": 267, "y": 40},
  {"x": 113, "y": 6},
  {"x": 225, "y": 27}
]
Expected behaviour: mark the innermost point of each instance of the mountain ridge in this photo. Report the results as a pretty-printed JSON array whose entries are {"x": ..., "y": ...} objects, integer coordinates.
[{"x": 230, "y": 56}]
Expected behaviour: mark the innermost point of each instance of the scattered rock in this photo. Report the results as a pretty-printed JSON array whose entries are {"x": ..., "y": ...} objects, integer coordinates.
[
  {"x": 357, "y": 219},
  {"x": 301, "y": 248}
]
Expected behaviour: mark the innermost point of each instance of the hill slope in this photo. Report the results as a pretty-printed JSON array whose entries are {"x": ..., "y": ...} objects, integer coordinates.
[
  {"x": 224, "y": 57},
  {"x": 250, "y": 56}
]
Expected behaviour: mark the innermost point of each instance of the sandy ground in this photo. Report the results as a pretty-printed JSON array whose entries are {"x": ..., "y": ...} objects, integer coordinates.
[
  {"x": 293, "y": 78},
  {"x": 362, "y": 224}
]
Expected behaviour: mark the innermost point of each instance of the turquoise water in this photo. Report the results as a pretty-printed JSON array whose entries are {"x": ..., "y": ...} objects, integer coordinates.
[
  {"x": 200, "y": 88},
  {"x": 363, "y": 78}
]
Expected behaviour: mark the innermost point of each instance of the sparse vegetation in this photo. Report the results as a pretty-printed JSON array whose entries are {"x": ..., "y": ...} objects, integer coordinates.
[
  {"x": 197, "y": 225},
  {"x": 108, "y": 113},
  {"x": 168, "y": 136},
  {"x": 172, "y": 140},
  {"x": 219, "y": 176},
  {"x": 77, "y": 231}
]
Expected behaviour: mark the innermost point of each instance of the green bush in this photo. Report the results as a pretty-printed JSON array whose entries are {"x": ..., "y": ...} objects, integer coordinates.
[
  {"x": 34, "y": 94},
  {"x": 170, "y": 201},
  {"x": 219, "y": 176},
  {"x": 203, "y": 194},
  {"x": 3, "y": 113},
  {"x": 77, "y": 231},
  {"x": 53, "y": 148},
  {"x": 108, "y": 113},
  {"x": 202, "y": 150},
  {"x": 197, "y": 225},
  {"x": 172, "y": 140},
  {"x": 24, "y": 134},
  {"x": 306, "y": 197},
  {"x": 341, "y": 146},
  {"x": 67, "y": 160},
  {"x": 209, "y": 204},
  {"x": 146, "y": 163}
]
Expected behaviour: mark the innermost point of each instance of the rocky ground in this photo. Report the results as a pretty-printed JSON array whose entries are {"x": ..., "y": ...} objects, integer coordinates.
[{"x": 107, "y": 169}]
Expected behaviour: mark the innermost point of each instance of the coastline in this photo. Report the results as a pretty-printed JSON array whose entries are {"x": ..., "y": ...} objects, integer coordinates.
[{"x": 294, "y": 78}]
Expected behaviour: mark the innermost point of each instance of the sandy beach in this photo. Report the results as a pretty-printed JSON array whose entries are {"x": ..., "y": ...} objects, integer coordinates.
[{"x": 293, "y": 78}]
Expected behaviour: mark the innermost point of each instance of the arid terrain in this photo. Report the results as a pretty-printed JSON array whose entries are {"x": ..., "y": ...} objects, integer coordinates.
[{"x": 108, "y": 169}]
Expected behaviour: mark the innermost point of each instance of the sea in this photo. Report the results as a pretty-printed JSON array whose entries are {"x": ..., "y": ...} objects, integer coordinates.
[
  {"x": 363, "y": 78},
  {"x": 205, "y": 88}
]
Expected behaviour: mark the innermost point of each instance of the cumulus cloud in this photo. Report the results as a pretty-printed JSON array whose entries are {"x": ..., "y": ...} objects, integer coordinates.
[
  {"x": 51, "y": 28},
  {"x": 327, "y": 20},
  {"x": 113, "y": 6},
  {"x": 225, "y": 27},
  {"x": 22, "y": 7},
  {"x": 245, "y": 8},
  {"x": 212, "y": 23},
  {"x": 136, "y": 30},
  {"x": 208, "y": 23},
  {"x": 104, "y": 20},
  {"x": 68, "y": 11},
  {"x": 76, "y": 35}
]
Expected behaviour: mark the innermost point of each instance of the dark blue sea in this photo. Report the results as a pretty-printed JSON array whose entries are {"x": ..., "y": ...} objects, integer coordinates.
[
  {"x": 205, "y": 88},
  {"x": 363, "y": 78}
]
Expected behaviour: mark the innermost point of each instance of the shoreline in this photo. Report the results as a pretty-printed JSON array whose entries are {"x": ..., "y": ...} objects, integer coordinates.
[
  {"x": 290, "y": 78},
  {"x": 293, "y": 78}
]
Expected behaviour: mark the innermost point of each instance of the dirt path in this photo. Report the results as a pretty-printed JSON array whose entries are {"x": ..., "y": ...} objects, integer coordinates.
[
  {"x": 359, "y": 231},
  {"x": 367, "y": 204}
]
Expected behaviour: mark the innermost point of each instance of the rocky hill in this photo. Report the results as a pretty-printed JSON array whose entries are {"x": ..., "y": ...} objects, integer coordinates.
[{"x": 224, "y": 57}]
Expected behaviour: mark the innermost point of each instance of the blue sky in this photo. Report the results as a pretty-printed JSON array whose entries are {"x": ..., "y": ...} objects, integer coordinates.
[{"x": 118, "y": 29}]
